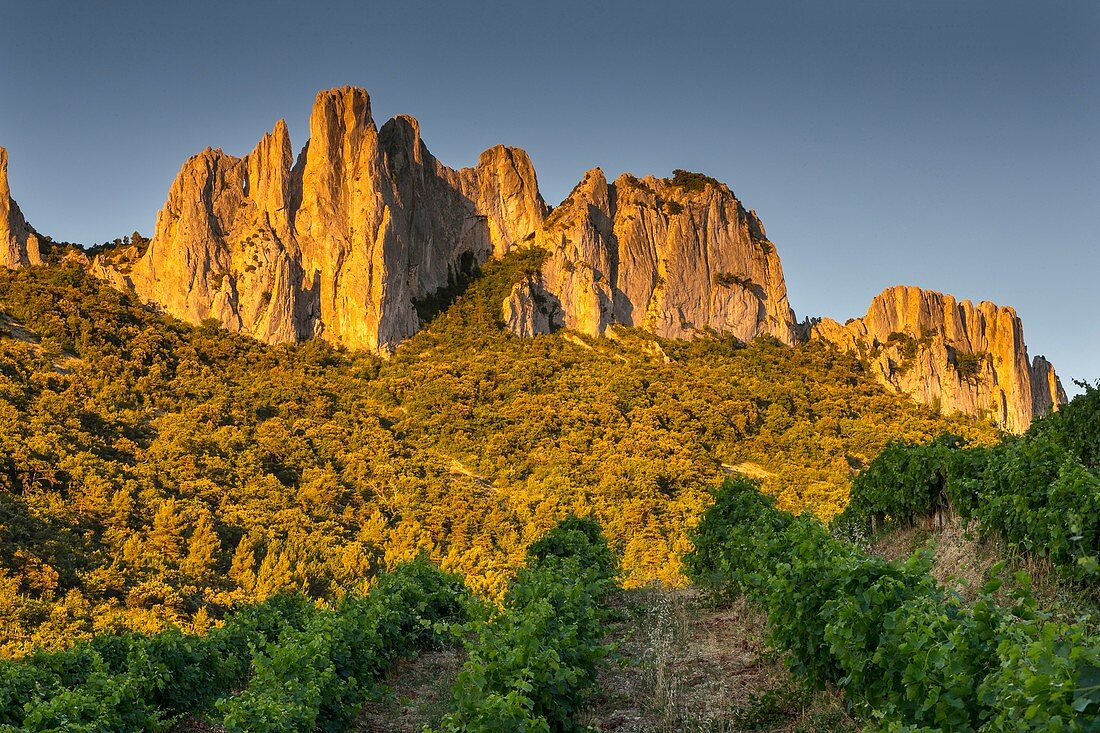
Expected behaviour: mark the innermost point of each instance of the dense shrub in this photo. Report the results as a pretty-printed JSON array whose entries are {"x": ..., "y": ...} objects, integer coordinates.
[
  {"x": 907, "y": 653},
  {"x": 733, "y": 542},
  {"x": 302, "y": 667},
  {"x": 1039, "y": 491},
  {"x": 156, "y": 474},
  {"x": 906, "y": 482},
  {"x": 692, "y": 182},
  {"x": 317, "y": 677},
  {"x": 533, "y": 665}
]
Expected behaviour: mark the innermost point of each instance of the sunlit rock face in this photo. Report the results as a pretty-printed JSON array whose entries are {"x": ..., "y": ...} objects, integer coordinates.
[
  {"x": 19, "y": 245},
  {"x": 965, "y": 357},
  {"x": 678, "y": 257},
  {"x": 341, "y": 241},
  {"x": 337, "y": 244}
]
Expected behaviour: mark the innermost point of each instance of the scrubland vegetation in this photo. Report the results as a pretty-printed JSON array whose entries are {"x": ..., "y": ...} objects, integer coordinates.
[
  {"x": 201, "y": 531},
  {"x": 158, "y": 475}
]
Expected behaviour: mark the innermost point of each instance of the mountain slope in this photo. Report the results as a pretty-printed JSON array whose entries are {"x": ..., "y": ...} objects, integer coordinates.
[
  {"x": 367, "y": 232},
  {"x": 159, "y": 473}
]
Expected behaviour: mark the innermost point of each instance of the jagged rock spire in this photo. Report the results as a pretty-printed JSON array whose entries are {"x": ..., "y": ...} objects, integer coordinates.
[{"x": 18, "y": 241}]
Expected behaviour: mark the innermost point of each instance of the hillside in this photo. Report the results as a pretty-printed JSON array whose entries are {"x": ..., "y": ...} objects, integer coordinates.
[
  {"x": 349, "y": 240},
  {"x": 158, "y": 473}
]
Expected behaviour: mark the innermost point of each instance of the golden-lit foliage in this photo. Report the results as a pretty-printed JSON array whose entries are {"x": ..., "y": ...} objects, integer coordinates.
[{"x": 152, "y": 473}]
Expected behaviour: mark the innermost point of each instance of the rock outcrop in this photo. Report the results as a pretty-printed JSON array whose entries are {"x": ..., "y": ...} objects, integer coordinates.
[
  {"x": 526, "y": 311},
  {"x": 965, "y": 357},
  {"x": 338, "y": 245},
  {"x": 679, "y": 257},
  {"x": 343, "y": 242},
  {"x": 19, "y": 244}
]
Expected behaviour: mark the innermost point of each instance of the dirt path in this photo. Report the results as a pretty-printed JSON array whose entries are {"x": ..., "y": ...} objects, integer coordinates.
[
  {"x": 419, "y": 693},
  {"x": 683, "y": 665}
]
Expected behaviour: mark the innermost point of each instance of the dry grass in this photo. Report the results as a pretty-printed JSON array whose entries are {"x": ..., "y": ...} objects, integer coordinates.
[
  {"x": 419, "y": 693},
  {"x": 682, "y": 665},
  {"x": 962, "y": 561}
]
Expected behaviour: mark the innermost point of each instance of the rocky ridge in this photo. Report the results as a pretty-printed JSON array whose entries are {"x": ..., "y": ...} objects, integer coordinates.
[
  {"x": 19, "y": 244},
  {"x": 679, "y": 257},
  {"x": 341, "y": 241},
  {"x": 337, "y": 245},
  {"x": 962, "y": 356}
]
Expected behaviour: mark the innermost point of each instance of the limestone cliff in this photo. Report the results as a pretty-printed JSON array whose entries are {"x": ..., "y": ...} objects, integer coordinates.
[
  {"x": 18, "y": 242},
  {"x": 342, "y": 242},
  {"x": 679, "y": 257},
  {"x": 965, "y": 357},
  {"x": 338, "y": 244},
  {"x": 458, "y": 219}
]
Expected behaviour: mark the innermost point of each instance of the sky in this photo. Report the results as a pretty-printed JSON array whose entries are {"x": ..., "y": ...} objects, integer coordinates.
[{"x": 953, "y": 145}]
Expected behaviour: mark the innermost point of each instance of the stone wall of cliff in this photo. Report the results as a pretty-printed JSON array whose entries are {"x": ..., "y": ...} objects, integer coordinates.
[
  {"x": 18, "y": 242},
  {"x": 338, "y": 244},
  {"x": 342, "y": 243},
  {"x": 965, "y": 357},
  {"x": 679, "y": 257}
]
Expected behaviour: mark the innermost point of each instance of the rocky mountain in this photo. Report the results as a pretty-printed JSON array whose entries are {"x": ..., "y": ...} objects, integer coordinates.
[
  {"x": 343, "y": 240},
  {"x": 962, "y": 356},
  {"x": 679, "y": 257},
  {"x": 338, "y": 244},
  {"x": 342, "y": 243},
  {"x": 18, "y": 242}
]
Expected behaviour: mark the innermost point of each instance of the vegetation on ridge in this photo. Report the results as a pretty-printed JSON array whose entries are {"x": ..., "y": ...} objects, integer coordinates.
[
  {"x": 157, "y": 474},
  {"x": 908, "y": 654}
]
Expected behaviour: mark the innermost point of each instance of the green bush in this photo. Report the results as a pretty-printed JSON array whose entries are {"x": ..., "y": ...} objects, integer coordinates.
[
  {"x": 726, "y": 279},
  {"x": 533, "y": 665},
  {"x": 302, "y": 667},
  {"x": 906, "y": 483},
  {"x": 735, "y": 541},
  {"x": 317, "y": 677},
  {"x": 969, "y": 366},
  {"x": 906, "y": 653},
  {"x": 578, "y": 538},
  {"x": 692, "y": 182},
  {"x": 1040, "y": 491}
]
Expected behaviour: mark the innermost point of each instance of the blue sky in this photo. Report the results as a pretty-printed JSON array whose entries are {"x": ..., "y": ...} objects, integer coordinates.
[{"x": 951, "y": 145}]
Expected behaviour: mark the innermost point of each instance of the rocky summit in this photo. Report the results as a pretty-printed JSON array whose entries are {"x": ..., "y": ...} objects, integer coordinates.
[
  {"x": 337, "y": 245},
  {"x": 342, "y": 243},
  {"x": 679, "y": 257},
  {"x": 962, "y": 356},
  {"x": 344, "y": 240},
  {"x": 18, "y": 241}
]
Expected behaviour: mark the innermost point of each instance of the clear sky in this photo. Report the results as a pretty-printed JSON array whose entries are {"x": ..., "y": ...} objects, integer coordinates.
[{"x": 950, "y": 144}]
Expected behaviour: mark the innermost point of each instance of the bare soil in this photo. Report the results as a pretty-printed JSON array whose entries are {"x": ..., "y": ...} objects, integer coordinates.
[
  {"x": 419, "y": 693},
  {"x": 685, "y": 665}
]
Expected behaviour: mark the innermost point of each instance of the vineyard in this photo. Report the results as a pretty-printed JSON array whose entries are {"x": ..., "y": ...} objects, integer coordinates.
[
  {"x": 1039, "y": 492},
  {"x": 907, "y": 654},
  {"x": 290, "y": 665}
]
